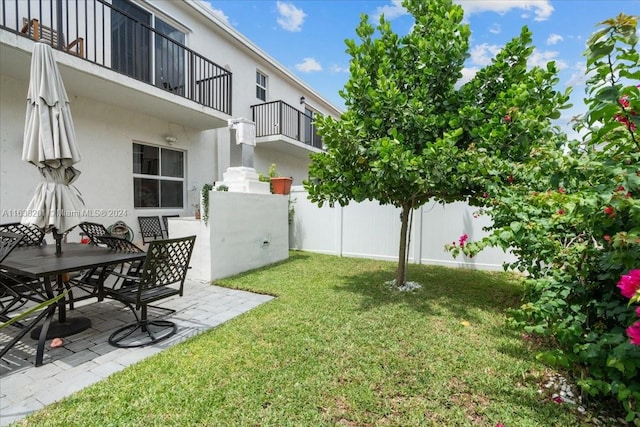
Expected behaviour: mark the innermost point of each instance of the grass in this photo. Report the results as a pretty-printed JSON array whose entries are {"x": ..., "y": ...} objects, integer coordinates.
[{"x": 337, "y": 347}]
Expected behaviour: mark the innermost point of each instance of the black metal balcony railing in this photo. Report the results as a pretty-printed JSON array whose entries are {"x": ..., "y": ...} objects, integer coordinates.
[
  {"x": 105, "y": 35},
  {"x": 280, "y": 118}
]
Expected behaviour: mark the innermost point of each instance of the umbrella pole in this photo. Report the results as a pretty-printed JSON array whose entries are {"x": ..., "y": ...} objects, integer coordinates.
[{"x": 58, "y": 238}]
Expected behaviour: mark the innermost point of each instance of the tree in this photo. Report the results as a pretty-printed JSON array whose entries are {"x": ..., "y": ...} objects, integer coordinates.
[{"x": 410, "y": 135}]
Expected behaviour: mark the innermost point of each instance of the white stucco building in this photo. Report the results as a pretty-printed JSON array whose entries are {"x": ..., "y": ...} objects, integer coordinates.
[{"x": 152, "y": 86}]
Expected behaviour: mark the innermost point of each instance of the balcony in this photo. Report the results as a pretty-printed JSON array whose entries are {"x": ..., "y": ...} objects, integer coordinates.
[
  {"x": 152, "y": 61},
  {"x": 286, "y": 128}
]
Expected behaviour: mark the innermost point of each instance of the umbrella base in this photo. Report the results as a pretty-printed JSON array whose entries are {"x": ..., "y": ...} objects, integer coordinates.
[{"x": 72, "y": 326}]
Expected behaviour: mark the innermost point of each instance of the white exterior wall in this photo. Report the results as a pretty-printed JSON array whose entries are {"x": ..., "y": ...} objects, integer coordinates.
[
  {"x": 106, "y": 133},
  {"x": 369, "y": 230},
  {"x": 244, "y": 232},
  {"x": 105, "y": 137}
]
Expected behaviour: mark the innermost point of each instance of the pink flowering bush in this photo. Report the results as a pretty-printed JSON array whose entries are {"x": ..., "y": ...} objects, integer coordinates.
[{"x": 580, "y": 245}]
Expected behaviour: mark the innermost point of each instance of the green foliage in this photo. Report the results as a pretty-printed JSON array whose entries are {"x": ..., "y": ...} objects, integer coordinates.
[
  {"x": 205, "y": 201},
  {"x": 410, "y": 134},
  {"x": 571, "y": 214}
]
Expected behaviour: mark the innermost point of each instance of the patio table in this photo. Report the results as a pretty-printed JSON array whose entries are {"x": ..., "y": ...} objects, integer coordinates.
[{"x": 41, "y": 262}]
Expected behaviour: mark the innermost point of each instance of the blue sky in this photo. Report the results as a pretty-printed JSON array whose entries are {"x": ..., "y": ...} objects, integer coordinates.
[{"x": 307, "y": 36}]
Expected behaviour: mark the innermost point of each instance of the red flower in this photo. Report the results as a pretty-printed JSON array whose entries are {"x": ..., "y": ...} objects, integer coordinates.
[
  {"x": 507, "y": 118},
  {"x": 561, "y": 190},
  {"x": 607, "y": 237},
  {"x": 560, "y": 211},
  {"x": 620, "y": 188},
  {"x": 624, "y": 101},
  {"x": 510, "y": 179},
  {"x": 633, "y": 332},
  {"x": 638, "y": 310},
  {"x": 485, "y": 195},
  {"x": 610, "y": 211},
  {"x": 629, "y": 283},
  {"x": 558, "y": 399},
  {"x": 625, "y": 121}
]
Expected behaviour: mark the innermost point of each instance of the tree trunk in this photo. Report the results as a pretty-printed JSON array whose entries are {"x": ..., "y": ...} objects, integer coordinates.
[{"x": 402, "y": 255}]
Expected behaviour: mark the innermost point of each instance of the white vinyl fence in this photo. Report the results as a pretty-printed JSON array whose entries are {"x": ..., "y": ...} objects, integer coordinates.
[{"x": 369, "y": 230}]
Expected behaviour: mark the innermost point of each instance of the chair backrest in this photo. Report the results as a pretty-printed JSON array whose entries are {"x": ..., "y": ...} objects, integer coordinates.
[
  {"x": 93, "y": 230},
  {"x": 8, "y": 242},
  {"x": 166, "y": 263},
  {"x": 165, "y": 221},
  {"x": 150, "y": 228},
  {"x": 31, "y": 235},
  {"x": 118, "y": 244}
]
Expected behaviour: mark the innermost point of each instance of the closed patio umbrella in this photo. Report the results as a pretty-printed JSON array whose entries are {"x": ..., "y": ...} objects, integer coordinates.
[{"x": 50, "y": 144}]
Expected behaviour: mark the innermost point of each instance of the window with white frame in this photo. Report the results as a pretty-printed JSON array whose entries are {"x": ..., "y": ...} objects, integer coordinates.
[
  {"x": 261, "y": 86},
  {"x": 158, "y": 177}
]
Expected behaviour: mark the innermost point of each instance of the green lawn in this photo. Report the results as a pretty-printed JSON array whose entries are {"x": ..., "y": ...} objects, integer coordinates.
[{"x": 337, "y": 347}]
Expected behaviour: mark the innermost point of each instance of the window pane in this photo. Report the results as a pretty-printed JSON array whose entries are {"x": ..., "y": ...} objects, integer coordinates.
[
  {"x": 145, "y": 159},
  {"x": 145, "y": 193},
  {"x": 171, "y": 194},
  {"x": 170, "y": 58},
  {"x": 172, "y": 163},
  {"x": 261, "y": 93},
  {"x": 130, "y": 40}
]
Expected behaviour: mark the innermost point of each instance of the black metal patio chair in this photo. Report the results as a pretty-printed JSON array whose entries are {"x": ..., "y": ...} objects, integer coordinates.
[
  {"x": 165, "y": 222},
  {"x": 150, "y": 228},
  {"x": 93, "y": 230},
  {"x": 31, "y": 235},
  {"x": 15, "y": 290},
  {"x": 92, "y": 281},
  {"x": 162, "y": 276},
  {"x": 9, "y": 298}
]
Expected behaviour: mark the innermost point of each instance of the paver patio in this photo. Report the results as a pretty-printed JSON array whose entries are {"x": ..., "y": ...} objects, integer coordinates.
[{"x": 87, "y": 357}]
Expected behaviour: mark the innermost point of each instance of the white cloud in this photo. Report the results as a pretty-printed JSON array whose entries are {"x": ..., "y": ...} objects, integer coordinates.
[
  {"x": 390, "y": 11},
  {"x": 308, "y": 65},
  {"x": 579, "y": 76},
  {"x": 291, "y": 18},
  {"x": 467, "y": 75},
  {"x": 554, "y": 39},
  {"x": 495, "y": 29},
  {"x": 482, "y": 54},
  {"x": 335, "y": 68},
  {"x": 218, "y": 12},
  {"x": 542, "y": 9},
  {"x": 541, "y": 57}
]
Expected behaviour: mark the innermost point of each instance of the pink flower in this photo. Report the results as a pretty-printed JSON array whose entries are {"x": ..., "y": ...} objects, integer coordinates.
[
  {"x": 507, "y": 118},
  {"x": 638, "y": 310},
  {"x": 499, "y": 425},
  {"x": 485, "y": 194},
  {"x": 633, "y": 332},
  {"x": 463, "y": 239},
  {"x": 629, "y": 283},
  {"x": 607, "y": 237},
  {"x": 561, "y": 190}
]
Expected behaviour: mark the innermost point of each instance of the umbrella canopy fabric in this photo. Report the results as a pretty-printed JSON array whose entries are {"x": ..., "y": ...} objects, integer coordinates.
[{"x": 50, "y": 144}]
